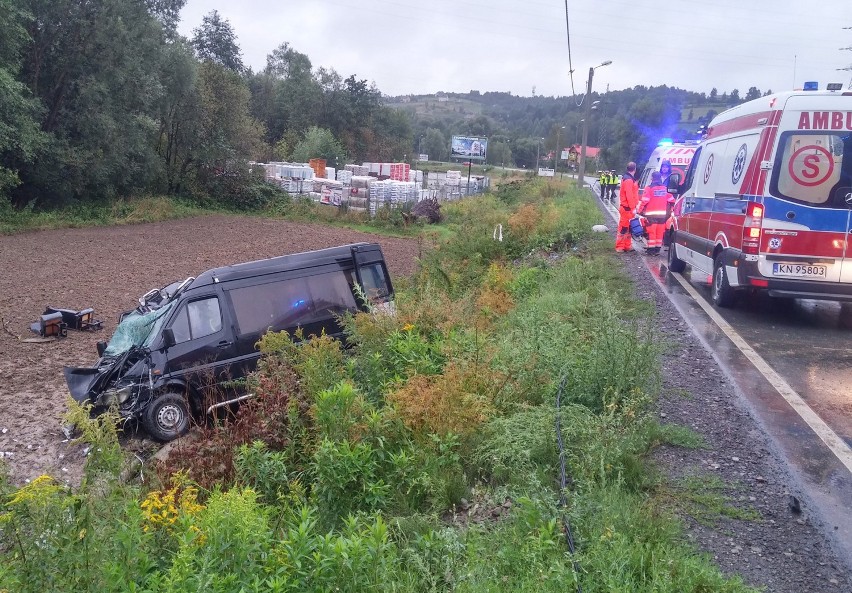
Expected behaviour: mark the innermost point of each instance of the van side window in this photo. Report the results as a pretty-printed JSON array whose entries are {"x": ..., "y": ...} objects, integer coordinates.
[
  {"x": 197, "y": 319},
  {"x": 807, "y": 167},
  {"x": 375, "y": 282},
  {"x": 286, "y": 304}
]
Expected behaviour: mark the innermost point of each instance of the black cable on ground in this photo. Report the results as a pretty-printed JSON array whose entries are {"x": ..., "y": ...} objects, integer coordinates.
[{"x": 563, "y": 481}]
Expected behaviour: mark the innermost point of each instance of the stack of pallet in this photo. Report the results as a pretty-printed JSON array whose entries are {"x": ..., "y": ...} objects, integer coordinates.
[
  {"x": 398, "y": 171},
  {"x": 318, "y": 165},
  {"x": 359, "y": 170},
  {"x": 359, "y": 192}
]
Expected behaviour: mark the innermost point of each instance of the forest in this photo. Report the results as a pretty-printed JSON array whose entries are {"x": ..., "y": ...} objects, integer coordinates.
[{"x": 104, "y": 100}]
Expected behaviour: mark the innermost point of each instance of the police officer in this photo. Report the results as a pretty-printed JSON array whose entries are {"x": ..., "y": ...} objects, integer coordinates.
[{"x": 613, "y": 190}]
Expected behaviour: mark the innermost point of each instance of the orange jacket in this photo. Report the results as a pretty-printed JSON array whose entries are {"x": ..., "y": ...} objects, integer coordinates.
[
  {"x": 628, "y": 195},
  {"x": 655, "y": 201}
]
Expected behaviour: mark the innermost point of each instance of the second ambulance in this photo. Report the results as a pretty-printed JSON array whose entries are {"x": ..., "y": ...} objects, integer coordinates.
[{"x": 767, "y": 201}]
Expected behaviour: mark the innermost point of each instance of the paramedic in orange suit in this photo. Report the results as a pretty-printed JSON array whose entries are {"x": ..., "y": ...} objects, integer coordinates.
[
  {"x": 628, "y": 197},
  {"x": 654, "y": 206}
]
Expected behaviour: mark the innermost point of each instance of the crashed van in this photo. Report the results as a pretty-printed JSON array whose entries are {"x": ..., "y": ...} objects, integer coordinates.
[
  {"x": 766, "y": 204},
  {"x": 186, "y": 347}
]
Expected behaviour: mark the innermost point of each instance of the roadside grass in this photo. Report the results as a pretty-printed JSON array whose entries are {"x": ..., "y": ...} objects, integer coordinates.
[
  {"x": 424, "y": 457},
  {"x": 123, "y": 211}
]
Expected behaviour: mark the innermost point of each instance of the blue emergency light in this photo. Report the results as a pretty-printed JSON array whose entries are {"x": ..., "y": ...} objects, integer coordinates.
[
  {"x": 665, "y": 142},
  {"x": 811, "y": 85}
]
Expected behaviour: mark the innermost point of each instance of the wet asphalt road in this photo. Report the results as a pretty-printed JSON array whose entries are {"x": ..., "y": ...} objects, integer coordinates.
[{"x": 809, "y": 345}]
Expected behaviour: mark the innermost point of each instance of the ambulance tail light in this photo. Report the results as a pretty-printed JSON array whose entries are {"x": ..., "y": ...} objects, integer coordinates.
[{"x": 751, "y": 228}]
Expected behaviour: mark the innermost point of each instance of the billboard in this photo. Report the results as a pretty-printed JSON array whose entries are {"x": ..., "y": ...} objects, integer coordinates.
[{"x": 469, "y": 147}]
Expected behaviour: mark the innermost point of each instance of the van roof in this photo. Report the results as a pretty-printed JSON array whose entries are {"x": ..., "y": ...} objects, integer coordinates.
[
  {"x": 280, "y": 263},
  {"x": 773, "y": 102}
]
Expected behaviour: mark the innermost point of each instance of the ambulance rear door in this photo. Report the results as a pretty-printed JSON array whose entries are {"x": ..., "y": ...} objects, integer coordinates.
[{"x": 807, "y": 224}]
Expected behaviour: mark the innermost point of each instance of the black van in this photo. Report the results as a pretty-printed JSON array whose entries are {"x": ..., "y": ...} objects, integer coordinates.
[{"x": 197, "y": 337}]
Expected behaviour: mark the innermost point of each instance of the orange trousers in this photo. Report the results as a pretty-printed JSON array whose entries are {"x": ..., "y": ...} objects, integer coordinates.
[
  {"x": 623, "y": 240},
  {"x": 655, "y": 234}
]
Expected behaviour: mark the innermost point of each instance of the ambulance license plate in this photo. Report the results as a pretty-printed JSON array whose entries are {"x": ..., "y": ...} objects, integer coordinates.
[{"x": 799, "y": 270}]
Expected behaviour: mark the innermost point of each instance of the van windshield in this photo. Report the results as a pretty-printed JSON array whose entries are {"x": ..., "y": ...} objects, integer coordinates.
[
  {"x": 137, "y": 329},
  {"x": 814, "y": 168}
]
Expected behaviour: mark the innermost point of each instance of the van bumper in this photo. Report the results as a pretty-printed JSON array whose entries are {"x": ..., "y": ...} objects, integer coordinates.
[{"x": 805, "y": 289}]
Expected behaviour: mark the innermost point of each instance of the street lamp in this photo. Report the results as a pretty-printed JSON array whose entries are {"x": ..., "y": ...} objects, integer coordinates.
[
  {"x": 582, "y": 172},
  {"x": 556, "y": 154}
]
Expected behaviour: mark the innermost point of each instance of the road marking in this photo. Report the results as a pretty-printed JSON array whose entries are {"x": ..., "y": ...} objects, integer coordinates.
[{"x": 837, "y": 445}]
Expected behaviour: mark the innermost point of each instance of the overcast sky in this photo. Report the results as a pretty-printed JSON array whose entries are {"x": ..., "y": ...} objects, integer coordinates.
[{"x": 517, "y": 45}]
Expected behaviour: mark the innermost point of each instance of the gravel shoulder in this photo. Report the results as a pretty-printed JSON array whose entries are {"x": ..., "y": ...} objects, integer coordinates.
[{"x": 779, "y": 546}]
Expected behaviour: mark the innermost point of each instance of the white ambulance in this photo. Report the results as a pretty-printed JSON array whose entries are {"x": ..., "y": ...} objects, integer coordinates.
[
  {"x": 678, "y": 154},
  {"x": 767, "y": 201}
]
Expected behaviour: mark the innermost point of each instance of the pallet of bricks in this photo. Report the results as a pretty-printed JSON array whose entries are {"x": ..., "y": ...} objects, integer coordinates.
[
  {"x": 359, "y": 193},
  {"x": 391, "y": 194}
]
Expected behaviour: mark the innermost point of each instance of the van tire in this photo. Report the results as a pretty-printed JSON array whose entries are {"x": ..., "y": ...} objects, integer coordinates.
[
  {"x": 721, "y": 291},
  {"x": 676, "y": 265},
  {"x": 166, "y": 417}
]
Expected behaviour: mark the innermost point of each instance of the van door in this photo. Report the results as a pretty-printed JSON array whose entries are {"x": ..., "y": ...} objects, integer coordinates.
[
  {"x": 371, "y": 274},
  {"x": 203, "y": 347},
  {"x": 729, "y": 207},
  {"x": 699, "y": 201}
]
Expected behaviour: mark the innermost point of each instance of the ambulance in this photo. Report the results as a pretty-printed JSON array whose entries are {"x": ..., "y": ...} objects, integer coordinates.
[
  {"x": 678, "y": 154},
  {"x": 767, "y": 201}
]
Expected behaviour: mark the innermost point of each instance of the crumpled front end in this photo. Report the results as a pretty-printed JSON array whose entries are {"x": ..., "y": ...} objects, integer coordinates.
[{"x": 119, "y": 381}]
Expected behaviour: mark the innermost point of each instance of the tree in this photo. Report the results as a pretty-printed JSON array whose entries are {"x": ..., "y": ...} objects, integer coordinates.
[
  {"x": 20, "y": 136},
  {"x": 180, "y": 118},
  {"x": 753, "y": 93},
  {"x": 735, "y": 96},
  {"x": 436, "y": 145},
  {"x": 499, "y": 153},
  {"x": 320, "y": 143},
  {"x": 216, "y": 41},
  {"x": 95, "y": 66},
  {"x": 713, "y": 94}
]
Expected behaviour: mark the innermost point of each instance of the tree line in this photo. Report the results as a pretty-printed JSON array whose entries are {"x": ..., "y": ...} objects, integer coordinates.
[
  {"x": 105, "y": 99},
  {"x": 626, "y": 125}
]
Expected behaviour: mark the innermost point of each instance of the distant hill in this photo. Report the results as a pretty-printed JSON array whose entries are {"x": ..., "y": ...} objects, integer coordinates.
[{"x": 625, "y": 124}]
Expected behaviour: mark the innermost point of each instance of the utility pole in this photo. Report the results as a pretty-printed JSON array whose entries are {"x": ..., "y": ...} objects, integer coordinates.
[
  {"x": 556, "y": 154},
  {"x": 582, "y": 172},
  {"x": 538, "y": 156}
]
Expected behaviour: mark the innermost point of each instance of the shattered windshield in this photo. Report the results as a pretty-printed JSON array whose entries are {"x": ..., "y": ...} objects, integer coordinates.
[{"x": 137, "y": 330}]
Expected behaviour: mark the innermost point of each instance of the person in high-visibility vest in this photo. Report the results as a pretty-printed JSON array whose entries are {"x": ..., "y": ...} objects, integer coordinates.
[
  {"x": 613, "y": 181},
  {"x": 654, "y": 206},
  {"x": 628, "y": 198},
  {"x": 602, "y": 182}
]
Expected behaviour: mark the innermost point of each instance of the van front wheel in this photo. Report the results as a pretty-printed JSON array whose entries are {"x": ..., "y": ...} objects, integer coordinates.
[
  {"x": 167, "y": 417},
  {"x": 722, "y": 293}
]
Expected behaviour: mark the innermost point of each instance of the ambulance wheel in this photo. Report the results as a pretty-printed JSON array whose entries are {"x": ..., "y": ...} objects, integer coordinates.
[
  {"x": 721, "y": 291},
  {"x": 676, "y": 265},
  {"x": 167, "y": 417}
]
